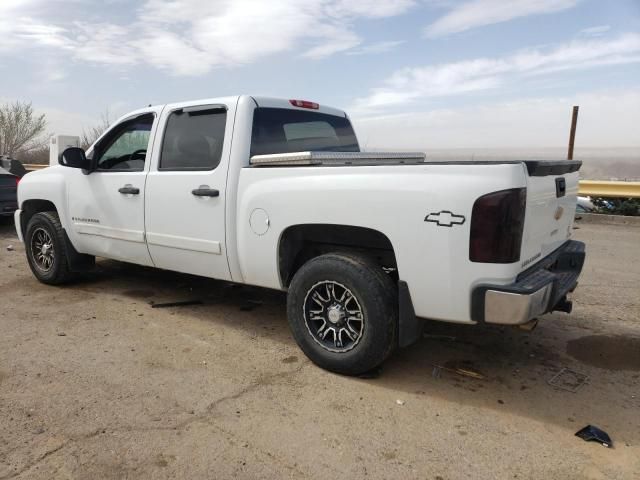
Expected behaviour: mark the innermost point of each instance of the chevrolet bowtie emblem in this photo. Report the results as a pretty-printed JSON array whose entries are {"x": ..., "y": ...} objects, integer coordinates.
[{"x": 445, "y": 218}]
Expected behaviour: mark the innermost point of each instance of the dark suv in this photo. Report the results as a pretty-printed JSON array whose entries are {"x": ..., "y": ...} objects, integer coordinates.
[{"x": 11, "y": 171}]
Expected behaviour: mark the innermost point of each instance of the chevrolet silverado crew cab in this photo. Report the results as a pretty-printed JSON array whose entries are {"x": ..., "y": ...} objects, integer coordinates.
[{"x": 277, "y": 194}]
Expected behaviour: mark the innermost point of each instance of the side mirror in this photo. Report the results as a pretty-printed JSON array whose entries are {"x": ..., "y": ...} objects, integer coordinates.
[{"x": 74, "y": 157}]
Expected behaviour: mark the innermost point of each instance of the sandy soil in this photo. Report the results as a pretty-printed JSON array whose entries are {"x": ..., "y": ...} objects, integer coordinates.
[{"x": 95, "y": 383}]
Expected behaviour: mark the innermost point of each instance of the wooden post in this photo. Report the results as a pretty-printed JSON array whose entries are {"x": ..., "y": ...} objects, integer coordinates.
[{"x": 572, "y": 134}]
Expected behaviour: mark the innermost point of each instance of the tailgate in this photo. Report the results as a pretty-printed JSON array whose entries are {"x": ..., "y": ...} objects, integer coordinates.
[{"x": 552, "y": 190}]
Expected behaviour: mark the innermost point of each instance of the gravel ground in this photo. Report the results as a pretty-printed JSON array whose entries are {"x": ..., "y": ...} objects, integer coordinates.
[{"x": 95, "y": 383}]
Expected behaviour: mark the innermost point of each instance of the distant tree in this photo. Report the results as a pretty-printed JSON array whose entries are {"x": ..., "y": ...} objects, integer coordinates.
[
  {"x": 21, "y": 130},
  {"x": 91, "y": 134},
  {"x": 37, "y": 156}
]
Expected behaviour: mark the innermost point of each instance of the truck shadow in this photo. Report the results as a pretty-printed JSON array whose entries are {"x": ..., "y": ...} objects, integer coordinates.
[
  {"x": 510, "y": 368},
  {"x": 507, "y": 370},
  {"x": 239, "y": 306},
  {"x": 7, "y": 228}
]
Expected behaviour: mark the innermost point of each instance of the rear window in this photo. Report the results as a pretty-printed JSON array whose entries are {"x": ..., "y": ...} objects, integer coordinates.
[
  {"x": 282, "y": 130},
  {"x": 7, "y": 180}
]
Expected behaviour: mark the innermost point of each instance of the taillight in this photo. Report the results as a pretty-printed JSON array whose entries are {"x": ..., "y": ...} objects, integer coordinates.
[
  {"x": 304, "y": 104},
  {"x": 497, "y": 221}
]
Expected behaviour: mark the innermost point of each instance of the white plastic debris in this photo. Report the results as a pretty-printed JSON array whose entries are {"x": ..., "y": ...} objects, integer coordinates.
[
  {"x": 9, "y": 248},
  {"x": 400, "y": 402}
]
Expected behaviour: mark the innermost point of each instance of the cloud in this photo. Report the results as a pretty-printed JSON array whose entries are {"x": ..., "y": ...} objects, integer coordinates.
[
  {"x": 190, "y": 37},
  {"x": 16, "y": 32},
  {"x": 479, "y": 74},
  {"x": 378, "y": 47},
  {"x": 607, "y": 119},
  {"x": 368, "y": 8},
  {"x": 596, "y": 31},
  {"x": 479, "y": 13},
  {"x": 62, "y": 122}
]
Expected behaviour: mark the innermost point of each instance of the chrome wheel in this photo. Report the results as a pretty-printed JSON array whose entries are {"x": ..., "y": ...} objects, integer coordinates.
[
  {"x": 42, "y": 249},
  {"x": 333, "y": 316}
]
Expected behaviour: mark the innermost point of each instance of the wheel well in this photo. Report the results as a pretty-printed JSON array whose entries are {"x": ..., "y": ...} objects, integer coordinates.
[
  {"x": 300, "y": 243},
  {"x": 31, "y": 207}
]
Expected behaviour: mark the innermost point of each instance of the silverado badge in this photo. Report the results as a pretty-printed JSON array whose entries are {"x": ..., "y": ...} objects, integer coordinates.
[{"x": 445, "y": 218}]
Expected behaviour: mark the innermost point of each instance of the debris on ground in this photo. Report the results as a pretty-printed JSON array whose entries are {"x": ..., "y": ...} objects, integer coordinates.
[
  {"x": 9, "y": 248},
  {"x": 62, "y": 334},
  {"x": 569, "y": 380},
  {"x": 464, "y": 369},
  {"x": 529, "y": 326},
  {"x": 182, "y": 303},
  {"x": 433, "y": 336},
  {"x": 250, "y": 305},
  {"x": 591, "y": 433},
  {"x": 400, "y": 402}
]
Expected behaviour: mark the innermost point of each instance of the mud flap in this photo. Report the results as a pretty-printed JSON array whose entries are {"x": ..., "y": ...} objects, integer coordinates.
[
  {"x": 78, "y": 262},
  {"x": 409, "y": 326}
]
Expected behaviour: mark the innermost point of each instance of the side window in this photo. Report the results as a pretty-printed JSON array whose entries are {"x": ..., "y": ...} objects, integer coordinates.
[
  {"x": 125, "y": 148},
  {"x": 193, "y": 139}
]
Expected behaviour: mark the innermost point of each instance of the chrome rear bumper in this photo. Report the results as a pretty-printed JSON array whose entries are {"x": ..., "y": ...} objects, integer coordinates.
[{"x": 540, "y": 289}]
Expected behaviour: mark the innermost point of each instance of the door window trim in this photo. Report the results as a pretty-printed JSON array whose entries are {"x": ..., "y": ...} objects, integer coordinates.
[
  {"x": 149, "y": 144},
  {"x": 214, "y": 107}
]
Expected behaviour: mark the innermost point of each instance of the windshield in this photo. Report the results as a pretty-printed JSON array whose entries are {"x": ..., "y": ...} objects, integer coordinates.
[{"x": 283, "y": 130}]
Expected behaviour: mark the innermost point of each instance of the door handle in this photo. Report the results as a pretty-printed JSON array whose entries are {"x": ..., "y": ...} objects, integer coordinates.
[
  {"x": 128, "y": 189},
  {"x": 205, "y": 192}
]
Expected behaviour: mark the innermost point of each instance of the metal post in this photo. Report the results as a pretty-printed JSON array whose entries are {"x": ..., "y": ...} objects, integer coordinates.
[{"x": 572, "y": 134}]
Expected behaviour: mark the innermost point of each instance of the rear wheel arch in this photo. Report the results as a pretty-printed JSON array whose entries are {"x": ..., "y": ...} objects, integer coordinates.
[
  {"x": 330, "y": 292},
  {"x": 300, "y": 243}
]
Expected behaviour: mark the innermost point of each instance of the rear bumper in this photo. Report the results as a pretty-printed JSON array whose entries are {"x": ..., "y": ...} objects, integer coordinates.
[
  {"x": 17, "y": 221},
  {"x": 541, "y": 289},
  {"x": 8, "y": 207}
]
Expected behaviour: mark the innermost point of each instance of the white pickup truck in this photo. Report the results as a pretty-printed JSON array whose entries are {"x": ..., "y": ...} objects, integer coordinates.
[{"x": 276, "y": 193}]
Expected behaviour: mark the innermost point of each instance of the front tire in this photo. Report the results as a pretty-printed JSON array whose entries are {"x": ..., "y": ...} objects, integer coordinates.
[
  {"x": 342, "y": 310},
  {"x": 46, "y": 249}
]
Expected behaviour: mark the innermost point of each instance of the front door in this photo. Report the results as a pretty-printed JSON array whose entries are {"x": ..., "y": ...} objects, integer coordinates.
[
  {"x": 185, "y": 193},
  {"x": 107, "y": 206}
]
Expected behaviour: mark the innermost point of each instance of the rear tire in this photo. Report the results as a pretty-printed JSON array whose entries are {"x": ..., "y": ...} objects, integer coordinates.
[
  {"x": 46, "y": 249},
  {"x": 343, "y": 312}
]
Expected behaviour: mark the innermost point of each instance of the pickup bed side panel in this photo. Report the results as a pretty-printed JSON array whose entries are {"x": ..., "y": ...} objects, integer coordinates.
[{"x": 432, "y": 257}]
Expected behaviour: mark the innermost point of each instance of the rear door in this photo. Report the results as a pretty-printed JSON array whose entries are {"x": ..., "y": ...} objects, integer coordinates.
[{"x": 186, "y": 189}]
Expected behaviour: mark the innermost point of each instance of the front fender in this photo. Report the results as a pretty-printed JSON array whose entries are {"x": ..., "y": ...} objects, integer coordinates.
[{"x": 48, "y": 185}]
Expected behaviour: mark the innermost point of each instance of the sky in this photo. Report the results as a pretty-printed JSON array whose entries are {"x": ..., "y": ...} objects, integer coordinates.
[{"x": 412, "y": 74}]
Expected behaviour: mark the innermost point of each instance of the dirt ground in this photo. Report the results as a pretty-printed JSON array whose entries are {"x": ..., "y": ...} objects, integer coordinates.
[{"x": 95, "y": 383}]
